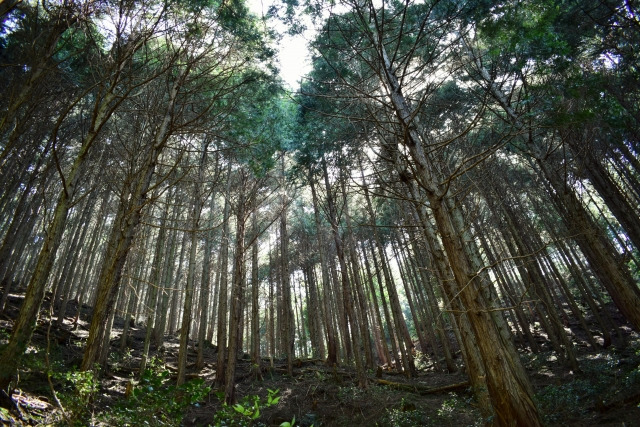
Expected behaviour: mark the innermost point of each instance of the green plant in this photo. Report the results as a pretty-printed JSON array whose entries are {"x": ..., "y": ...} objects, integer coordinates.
[
  {"x": 349, "y": 393},
  {"x": 156, "y": 401},
  {"x": 79, "y": 390},
  {"x": 405, "y": 418},
  {"x": 118, "y": 360},
  {"x": 566, "y": 400},
  {"x": 447, "y": 410},
  {"x": 246, "y": 412},
  {"x": 633, "y": 377},
  {"x": 422, "y": 361},
  {"x": 4, "y": 335},
  {"x": 291, "y": 423}
]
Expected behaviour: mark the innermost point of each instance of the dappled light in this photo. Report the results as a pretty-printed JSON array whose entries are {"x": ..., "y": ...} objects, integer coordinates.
[{"x": 429, "y": 216}]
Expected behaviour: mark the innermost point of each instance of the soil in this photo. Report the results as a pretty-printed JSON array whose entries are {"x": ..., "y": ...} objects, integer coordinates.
[{"x": 605, "y": 392}]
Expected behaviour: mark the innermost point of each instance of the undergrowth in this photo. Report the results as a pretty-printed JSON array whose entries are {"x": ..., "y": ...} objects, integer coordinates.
[{"x": 601, "y": 374}]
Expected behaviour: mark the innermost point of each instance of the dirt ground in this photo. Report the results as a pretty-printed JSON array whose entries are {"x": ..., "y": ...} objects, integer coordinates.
[{"x": 605, "y": 392}]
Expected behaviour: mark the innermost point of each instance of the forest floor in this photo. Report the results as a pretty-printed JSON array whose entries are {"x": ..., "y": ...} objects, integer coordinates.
[{"x": 605, "y": 392}]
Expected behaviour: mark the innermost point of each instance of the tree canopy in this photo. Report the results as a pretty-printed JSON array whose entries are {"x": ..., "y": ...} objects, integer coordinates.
[{"x": 449, "y": 176}]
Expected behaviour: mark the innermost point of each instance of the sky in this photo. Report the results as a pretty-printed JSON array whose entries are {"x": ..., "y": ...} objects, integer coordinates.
[{"x": 293, "y": 53}]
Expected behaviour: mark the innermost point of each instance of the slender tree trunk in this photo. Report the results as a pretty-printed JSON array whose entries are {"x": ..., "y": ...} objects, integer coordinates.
[
  {"x": 332, "y": 346},
  {"x": 171, "y": 324},
  {"x": 191, "y": 275},
  {"x": 237, "y": 293},
  {"x": 127, "y": 219},
  {"x": 351, "y": 329},
  {"x": 206, "y": 280},
  {"x": 23, "y": 216},
  {"x": 255, "y": 294},
  {"x": 154, "y": 284},
  {"x": 613, "y": 275},
  {"x": 609, "y": 191},
  {"x": 507, "y": 382},
  {"x": 224, "y": 279},
  {"x": 72, "y": 260},
  {"x": 361, "y": 312},
  {"x": 383, "y": 352},
  {"x": 25, "y": 323},
  {"x": 287, "y": 311}
]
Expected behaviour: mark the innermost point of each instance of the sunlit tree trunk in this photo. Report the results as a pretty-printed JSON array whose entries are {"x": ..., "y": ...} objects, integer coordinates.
[
  {"x": 26, "y": 320},
  {"x": 287, "y": 311},
  {"x": 224, "y": 281},
  {"x": 509, "y": 388},
  {"x": 133, "y": 200},
  {"x": 206, "y": 281}
]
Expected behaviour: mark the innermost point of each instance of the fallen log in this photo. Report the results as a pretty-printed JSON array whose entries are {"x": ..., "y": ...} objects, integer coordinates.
[{"x": 420, "y": 389}]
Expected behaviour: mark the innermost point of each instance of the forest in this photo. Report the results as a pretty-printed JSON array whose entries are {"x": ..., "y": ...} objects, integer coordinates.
[{"x": 439, "y": 226}]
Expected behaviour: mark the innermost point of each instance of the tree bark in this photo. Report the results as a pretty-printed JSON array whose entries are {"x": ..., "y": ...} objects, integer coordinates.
[{"x": 237, "y": 292}]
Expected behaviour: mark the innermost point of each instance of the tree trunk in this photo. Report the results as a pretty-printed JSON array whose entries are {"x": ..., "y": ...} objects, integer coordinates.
[
  {"x": 509, "y": 388},
  {"x": 224, "y": 280},
  {"x": 613, "y": 275},
  {"x": 332, "y": 346},
  {"x": 237, "y": 293},
  {"x": 154, "y": 283},
  {"x": 25, "y": 323},
  {"x": 194, "y": 224},
  {"x": 206, "y": 280},
  {"x": 287, "y": 311},
  {"x": 255, "y": 290}
]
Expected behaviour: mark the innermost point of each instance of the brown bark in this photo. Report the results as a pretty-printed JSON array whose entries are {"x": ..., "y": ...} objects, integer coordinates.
[
  {"x": 206, "y": 281},
  {"x": 507, "y": 382},
  {"x": 611, "y": 272},
  {"x": 133, "y": 199},
  {"x": 237, "y": 292},
  {"x": 332, "y": 350},
  {"x": 224, "y": 281},
  {"x": 26, "y": 321},
  {"x": 287, "y": 311},
  {"x": 255, "y": 309}
]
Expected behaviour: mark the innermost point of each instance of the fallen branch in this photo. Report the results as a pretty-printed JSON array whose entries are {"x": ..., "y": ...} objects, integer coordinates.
[{"x": 420, "y": 389}]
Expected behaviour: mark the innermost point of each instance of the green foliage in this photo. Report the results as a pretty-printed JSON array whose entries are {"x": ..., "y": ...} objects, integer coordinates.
[
  {"x": 156, "y": 401},
  {"x": 346, "y": 394},
  {"x": 5, "y": 416},
  {"x": 449, "y": 413},
  {"x": 117, "y": 360},
  {"x": 291, "y": 423},
  {"x": 246, "y": 412},
  {"x": 451, "y": 406},
  {"x": 77, "y": 395},
  {"x": 566, "y": 400},
  {"x": 570, "y": 400},
  {"x": 405, "y": 418},
  {"x": 603, "y": 376},
  {"x": 632, "y": 378}
]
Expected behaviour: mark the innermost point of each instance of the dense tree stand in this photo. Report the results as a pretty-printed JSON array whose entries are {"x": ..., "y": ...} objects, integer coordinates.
[{"x": 447, "y": 201}]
